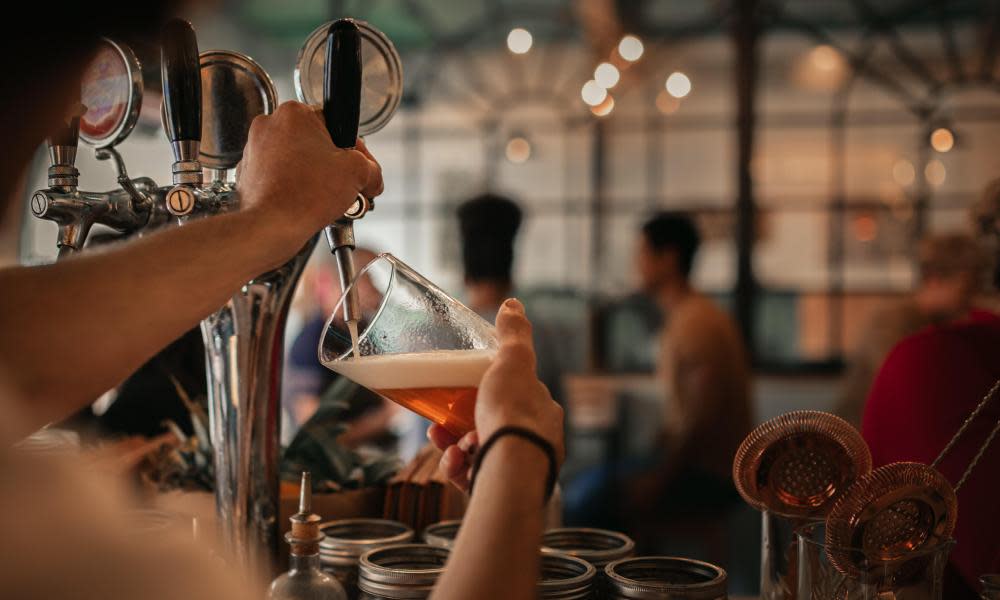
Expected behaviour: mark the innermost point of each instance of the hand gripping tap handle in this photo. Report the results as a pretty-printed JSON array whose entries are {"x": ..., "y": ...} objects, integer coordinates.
[
  {"x": 341, "y": 112},
  {"x": 181, "y": 75}
]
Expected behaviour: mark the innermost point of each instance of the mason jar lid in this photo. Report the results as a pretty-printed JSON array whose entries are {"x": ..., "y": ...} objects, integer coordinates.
[
  {"x": 442, "y": 534},
  {"x": 401, "y": 571},
  {"x": 596, "y": 546},
  {"x": 348, "y": 539},
  {"x": 565, "y": 577},
  {"x": 651, "y": 577}
]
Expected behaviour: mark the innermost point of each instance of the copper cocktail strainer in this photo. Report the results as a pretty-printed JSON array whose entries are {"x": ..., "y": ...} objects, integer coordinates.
[
  {"x": 894, "y": 512},
  {"x": 897, "y": 512},
  {"x": 797, "y": 465}
]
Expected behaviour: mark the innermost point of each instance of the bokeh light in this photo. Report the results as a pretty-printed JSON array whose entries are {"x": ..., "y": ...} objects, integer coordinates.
[
  {"x": 630, "y": 48},
  {"x": 903, "y": 172},
  {"x": 518, "y": 150},
  {"x": 606, "y": 75},
  {"x": 942, "y": 139},
  {"x": 667, "y": 104},
  {"x": 934, "y": 172},
  {"x": 519, "y": 40},
  {"x": 678, "y": 84},
  {"x": 604, "y": 108},
  {"x": 592, "y": 93}
]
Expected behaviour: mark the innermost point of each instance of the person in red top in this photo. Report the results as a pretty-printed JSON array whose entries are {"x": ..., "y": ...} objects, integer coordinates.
[{"x": 927, "y": 387}]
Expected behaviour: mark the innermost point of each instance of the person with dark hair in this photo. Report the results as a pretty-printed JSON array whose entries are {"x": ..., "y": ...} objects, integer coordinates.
[
  {"x": 488, "y": 226},
  {"x": 705, "y": 368}
]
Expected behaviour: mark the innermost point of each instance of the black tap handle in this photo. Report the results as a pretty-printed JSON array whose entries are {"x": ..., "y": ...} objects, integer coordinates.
[
  {"x": 68, "y": 133},
  {"x": 181, "y": 72},
  {"x": 342, "y": 83}
]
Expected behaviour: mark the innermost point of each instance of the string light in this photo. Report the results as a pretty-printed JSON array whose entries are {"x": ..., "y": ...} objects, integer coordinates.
[
  {"x": 934, "y": 172},
  {"x": 678, "y": 84},
  {"x": 942, "y": 139},
  {"x": 903, "y": 172},
  {"x": 606, "y": 75},
  {"x": 604, "y": 108},
  {"x": 630, "y": 48},
  {"x": 519, "y": 40},
  {"x": 667, "y": 104},
  {"x": 518, "y": 150},
  {"x": 592, "y": 93},
  {"x": 825, "y": 58}
]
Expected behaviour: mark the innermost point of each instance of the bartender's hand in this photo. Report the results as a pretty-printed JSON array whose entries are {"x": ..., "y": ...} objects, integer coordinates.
[
  {"x": 509, "y": 394},
  {"x": 296, "y": 179}
]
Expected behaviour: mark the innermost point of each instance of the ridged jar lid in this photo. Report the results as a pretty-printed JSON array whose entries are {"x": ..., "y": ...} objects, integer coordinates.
[
  {"x": 350, "y": 538},
  {"x": 565, "y": 577},
  {"x": 402, "y": 571},
  {"x": 596, "y": 546},
  {"x": 442, "y": 534},
  {"x": 655, "y": 577}
]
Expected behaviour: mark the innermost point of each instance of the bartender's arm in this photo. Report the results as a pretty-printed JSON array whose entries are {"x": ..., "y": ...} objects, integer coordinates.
[
  {"x": 496, "y": 554},
  {"x": 76, "y": 328}
]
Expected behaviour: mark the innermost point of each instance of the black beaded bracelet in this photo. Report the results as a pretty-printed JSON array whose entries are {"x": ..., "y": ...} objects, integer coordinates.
[{"x": 543, "y": 444}]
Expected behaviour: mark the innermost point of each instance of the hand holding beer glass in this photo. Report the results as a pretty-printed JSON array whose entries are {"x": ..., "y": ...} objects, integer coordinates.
[{"x": 417, "y": 346}]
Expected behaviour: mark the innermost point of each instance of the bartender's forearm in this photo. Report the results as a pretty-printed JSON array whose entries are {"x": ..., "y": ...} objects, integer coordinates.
[
  {"x": 496, "y": 555},
  {"x": 75, "y": 329}
]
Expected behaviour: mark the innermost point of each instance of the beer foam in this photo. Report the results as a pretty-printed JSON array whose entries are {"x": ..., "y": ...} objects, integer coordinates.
[{"x": 443, "y": 368}]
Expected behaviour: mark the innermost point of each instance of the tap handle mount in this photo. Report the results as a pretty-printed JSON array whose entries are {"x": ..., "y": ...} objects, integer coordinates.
[
  {"x": 181, "y": 76},
  {"x": 62, "y": 154}
]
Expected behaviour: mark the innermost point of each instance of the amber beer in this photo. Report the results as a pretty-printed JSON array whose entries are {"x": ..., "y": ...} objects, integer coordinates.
[{"x": 440, "y": 385}]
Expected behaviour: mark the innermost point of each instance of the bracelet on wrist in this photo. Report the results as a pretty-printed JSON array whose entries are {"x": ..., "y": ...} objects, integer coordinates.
[{"x": 526, "y": 434}]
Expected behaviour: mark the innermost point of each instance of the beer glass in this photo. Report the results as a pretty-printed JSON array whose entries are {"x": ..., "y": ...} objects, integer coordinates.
[{"x": 417, "y": 346}]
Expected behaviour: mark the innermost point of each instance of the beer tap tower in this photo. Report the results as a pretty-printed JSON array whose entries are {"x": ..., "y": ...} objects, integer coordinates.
[
  {"x": 244, "y": 338},
  {"x": 209, "y": 101}
]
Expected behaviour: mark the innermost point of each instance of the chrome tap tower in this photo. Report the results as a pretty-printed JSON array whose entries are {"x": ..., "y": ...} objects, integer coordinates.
[{"x": 209, "y": 101}]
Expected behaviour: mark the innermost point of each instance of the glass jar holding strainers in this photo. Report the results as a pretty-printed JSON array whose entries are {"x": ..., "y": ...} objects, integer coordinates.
[{"x": 348, "y": 539}]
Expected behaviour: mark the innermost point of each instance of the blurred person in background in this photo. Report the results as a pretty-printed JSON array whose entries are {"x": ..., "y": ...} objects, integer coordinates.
[
  {"x": 952, "y": 270},
  {"x": 705, "y": 368},
  {"x": 488, "y": 226},
  {"x": 927, "y": 387},
  {"x": 705, "y": 372}
]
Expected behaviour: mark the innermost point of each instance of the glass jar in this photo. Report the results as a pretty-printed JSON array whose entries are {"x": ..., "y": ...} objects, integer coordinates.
[
  {"x": 565, "y": 577},
  {"x": 596, "y": 546},
  {"x": 919, "y": 575},
  {"x": 347, "y": 539},
  {"x": 442, "y": 534},
  {"x": 663, "y": 578},
  {"x": 396, "y": 572},
  {"x": 778, "y": 551}
]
